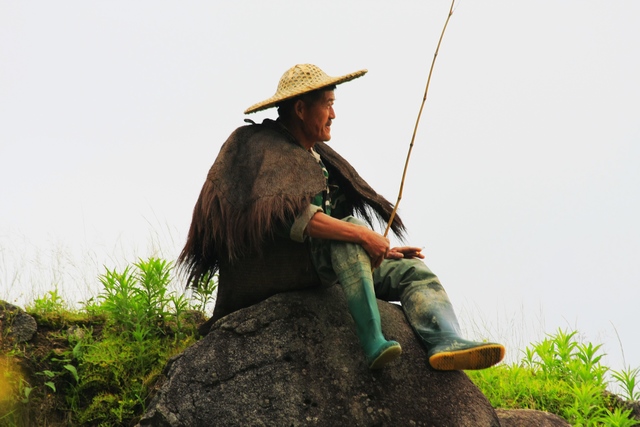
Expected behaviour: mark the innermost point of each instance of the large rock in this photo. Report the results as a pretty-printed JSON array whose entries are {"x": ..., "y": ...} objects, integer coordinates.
[
  {"x": 295, "y": 360},
  {"x": 529, "y": 418},
  {"x": 18, "y": 325}
]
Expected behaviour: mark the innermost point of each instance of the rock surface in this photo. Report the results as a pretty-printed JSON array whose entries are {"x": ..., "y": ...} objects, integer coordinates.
[
  {"x": 529, "y": 418},
  {"x": 15, "y": 323},
  {"x": 295, "y": 360}
]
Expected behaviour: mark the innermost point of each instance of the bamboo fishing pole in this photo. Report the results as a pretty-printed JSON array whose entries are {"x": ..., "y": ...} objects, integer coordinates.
[{"x": 415, "y": 129}]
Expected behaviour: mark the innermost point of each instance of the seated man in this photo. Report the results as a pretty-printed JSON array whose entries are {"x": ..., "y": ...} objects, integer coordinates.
[{"x": 276, "y": 214}]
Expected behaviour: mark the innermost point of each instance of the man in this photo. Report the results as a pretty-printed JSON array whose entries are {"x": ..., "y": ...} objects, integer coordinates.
[{"x": 276, "y": 214}]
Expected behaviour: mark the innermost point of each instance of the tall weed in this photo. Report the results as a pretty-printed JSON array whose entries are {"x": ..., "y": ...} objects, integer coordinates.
[
  {"x": 49, "y": 303},
  {"x": 628, "y": 381}
]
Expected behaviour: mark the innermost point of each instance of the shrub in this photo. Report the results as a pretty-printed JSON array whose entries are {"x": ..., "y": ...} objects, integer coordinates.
[
  {"x": 558, "y": 375},
  {"x": 97, "y": 366}
]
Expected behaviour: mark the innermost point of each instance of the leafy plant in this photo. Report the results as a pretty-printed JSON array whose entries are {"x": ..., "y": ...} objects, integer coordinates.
[
  {"x": 627, "y": 379},
  {"x": 49, "y": 303},
  {"x": 562, "y": 376},
  {"x": 100, "y": 363},
  {"x": 179, "y": 304},
  {"x": 204, "y": 294},
  {"x": 114, "y": 372},
  {"x": 50, "y": 375},
  {"x": 617, "y": 418}
]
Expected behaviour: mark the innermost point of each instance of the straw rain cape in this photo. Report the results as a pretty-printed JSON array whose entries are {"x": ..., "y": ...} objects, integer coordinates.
[{"x": 261, "y": 180}]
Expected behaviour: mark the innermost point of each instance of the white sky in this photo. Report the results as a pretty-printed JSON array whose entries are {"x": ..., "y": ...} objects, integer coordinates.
[{"x": 524, "y": 184}]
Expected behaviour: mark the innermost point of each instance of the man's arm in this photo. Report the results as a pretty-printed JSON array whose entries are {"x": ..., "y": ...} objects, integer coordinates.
[{"x": 323, "y": 226}]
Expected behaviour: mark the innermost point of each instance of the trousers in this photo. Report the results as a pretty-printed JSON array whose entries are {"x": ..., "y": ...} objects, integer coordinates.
[{"x": 390, "y": 279}]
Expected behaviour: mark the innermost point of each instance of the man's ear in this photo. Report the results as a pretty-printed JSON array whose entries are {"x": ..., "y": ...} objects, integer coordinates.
[{"x": 299, "y": 108}]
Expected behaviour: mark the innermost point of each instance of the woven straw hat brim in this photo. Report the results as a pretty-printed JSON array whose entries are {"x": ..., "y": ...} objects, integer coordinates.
[{"x": 283, "y": 95}]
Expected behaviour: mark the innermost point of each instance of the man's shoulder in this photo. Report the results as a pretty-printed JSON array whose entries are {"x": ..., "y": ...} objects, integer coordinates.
[
  {"x": 249, "y": 130},
  {"x": 262, "y": 147},
  {"x": 267, "y": 132}
]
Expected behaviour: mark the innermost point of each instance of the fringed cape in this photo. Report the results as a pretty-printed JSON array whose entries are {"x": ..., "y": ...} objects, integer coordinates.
[{"x": 262, "y": 179}]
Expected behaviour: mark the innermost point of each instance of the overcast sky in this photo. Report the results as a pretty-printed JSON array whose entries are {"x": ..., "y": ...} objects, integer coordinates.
[{"x": 524, "y": 183}]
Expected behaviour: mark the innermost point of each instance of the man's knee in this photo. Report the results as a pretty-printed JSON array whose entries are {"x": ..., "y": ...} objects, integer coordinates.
[{"x": 417, "y": 270}]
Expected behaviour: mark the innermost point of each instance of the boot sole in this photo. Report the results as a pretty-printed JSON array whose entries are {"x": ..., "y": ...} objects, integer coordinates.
[
  {"x": 468, "y": 359},
  {"x": 387, "y": 356}
]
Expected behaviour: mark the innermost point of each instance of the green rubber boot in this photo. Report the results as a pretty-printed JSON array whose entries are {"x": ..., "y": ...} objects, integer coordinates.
[
  {"x": 353, "y": 268},
  {"x": 431, "y": 315}
]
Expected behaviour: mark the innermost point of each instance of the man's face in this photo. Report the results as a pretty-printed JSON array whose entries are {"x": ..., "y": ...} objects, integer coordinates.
[{"x": 317, "y": 117}]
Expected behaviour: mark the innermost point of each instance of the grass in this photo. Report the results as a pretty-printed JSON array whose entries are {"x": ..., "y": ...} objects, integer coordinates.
[
  {"x": 98, "y": 365},
  {"x": 563, "y": 376}
]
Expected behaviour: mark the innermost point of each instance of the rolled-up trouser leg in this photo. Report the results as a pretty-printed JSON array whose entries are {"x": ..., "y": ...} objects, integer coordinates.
[{"x": 352, "y": 266}]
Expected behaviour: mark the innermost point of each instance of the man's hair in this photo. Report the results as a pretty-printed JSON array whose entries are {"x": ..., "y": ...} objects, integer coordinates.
[{"x": 285, "y": 108}]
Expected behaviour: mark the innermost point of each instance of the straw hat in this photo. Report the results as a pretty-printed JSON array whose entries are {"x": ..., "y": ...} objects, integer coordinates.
[{"x": 299, "y": 79}]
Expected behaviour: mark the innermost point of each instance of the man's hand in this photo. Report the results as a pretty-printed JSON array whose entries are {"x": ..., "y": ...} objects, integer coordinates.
[
  {"x": 405, "y": 252},
  {"x": 376, "y": 245}
]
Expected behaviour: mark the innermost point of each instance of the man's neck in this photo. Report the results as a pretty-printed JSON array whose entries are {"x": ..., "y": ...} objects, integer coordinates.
[{"x": 297, "y": 134}]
